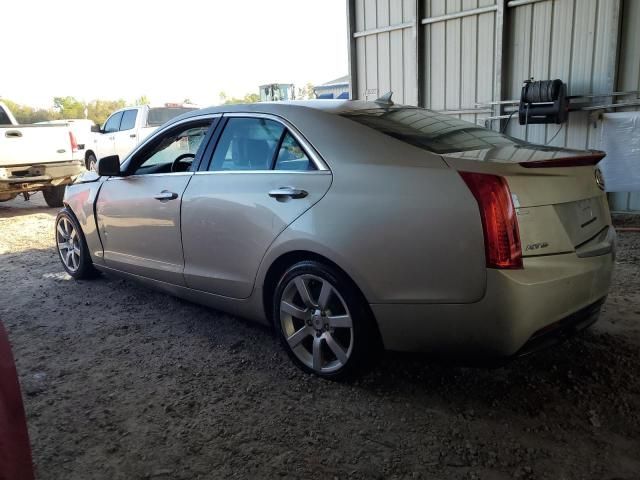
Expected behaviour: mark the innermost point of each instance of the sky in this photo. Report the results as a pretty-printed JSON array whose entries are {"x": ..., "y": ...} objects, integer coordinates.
[{"x": 167, "y": 50}]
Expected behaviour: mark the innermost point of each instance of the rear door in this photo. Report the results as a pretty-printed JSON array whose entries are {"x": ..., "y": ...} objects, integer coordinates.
[
  {"x": 138, "y": 214},
  {"x": 261, "y": 176},
  {"x": 126, "y": 138}
]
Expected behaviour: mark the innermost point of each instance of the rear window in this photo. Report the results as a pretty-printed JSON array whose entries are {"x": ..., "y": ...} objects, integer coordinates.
[
  {"x": 158, "y": 116},
  {"x": 429, "y": 130}
]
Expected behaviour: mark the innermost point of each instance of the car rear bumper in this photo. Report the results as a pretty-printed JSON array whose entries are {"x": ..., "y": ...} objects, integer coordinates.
[
  {"x": 562, "y": 329},
  {"x": 518, "y": 305}
]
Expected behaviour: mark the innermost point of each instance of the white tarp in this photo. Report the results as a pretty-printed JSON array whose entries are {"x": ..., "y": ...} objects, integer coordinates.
[{"x": 620, "y": 138}]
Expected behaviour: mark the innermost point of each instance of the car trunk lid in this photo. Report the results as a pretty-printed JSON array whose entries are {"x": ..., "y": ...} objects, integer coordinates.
[{"x": 557, "y": 193}]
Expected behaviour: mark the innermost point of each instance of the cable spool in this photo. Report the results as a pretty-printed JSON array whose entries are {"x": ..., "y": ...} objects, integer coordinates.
[{"x": 543, "y": 101}]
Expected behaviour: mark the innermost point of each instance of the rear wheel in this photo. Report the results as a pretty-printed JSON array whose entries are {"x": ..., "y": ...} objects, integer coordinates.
[
  {"x": 323, "y": 321},
  {"x": 72, "y": 247},
  {"x": 54, "y": 195}
]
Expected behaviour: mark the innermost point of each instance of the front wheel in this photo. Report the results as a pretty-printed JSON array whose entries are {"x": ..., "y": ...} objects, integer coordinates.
[
  {"x": 54, "y": 196},
  {"x": 324, "y": 322},
  {"x": 72, "y": 247}
]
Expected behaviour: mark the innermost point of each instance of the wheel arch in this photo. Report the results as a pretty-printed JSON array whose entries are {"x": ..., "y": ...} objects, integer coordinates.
[
  {"x": 288, "y": 259},
  {"x": 86, "y": 157}
]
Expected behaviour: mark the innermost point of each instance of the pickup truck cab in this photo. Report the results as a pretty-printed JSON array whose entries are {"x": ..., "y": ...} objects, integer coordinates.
[
  {"x": 127, "y": 127},
  {"x": 36, "y": 158}
]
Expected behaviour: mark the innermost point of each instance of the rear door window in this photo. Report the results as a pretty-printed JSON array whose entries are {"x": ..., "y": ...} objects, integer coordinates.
[
  {"x": 291, "y": 156},
  {"x": 247, "y": 144},
  {"x": 128, "y": 119}
]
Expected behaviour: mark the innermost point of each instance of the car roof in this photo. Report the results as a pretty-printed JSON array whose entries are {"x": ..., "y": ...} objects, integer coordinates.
[{"x": 282, "y": 107}]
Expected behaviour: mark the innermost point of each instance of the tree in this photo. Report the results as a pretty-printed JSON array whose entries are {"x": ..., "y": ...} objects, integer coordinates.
[
  {"x": 99, "y": 110},
  {"x": 26, "y": 114},
  {"x": 248, "y": 98},
  {"x": 251, "y": 98},
  {"x": 143, "y": 100},
  {"x": 306, "y": 92},
  {"x": 69, "y": 107}
]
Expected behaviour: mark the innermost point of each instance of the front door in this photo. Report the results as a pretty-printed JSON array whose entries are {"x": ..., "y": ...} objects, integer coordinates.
[
  {"x": 104, "y": 143},
  {"x": 260, "y": 178},
  {"x": 139, "y": 213}
]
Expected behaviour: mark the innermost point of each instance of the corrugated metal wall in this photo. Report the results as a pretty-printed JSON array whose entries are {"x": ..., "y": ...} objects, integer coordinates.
[
  {"x": 385, "y": 43},
  {"x": 629, "y": 80},
  {"x": 574, "y": 40},
  {"x": 460, "y": 66},
  {"x": 464, "y": 56}
]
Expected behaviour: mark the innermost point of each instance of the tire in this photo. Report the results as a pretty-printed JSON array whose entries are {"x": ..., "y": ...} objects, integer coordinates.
[
  {"x": 54, "y": 195},
  {"x": 91, "y": 162},
  {"x": 329, "y": 330},
  {"x": 68, "y": 235}
]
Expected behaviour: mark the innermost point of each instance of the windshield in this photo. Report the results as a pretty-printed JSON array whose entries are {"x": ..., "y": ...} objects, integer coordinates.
[
  {"x": 158, "y": 116},
  {"x": 429, "y": 130}
]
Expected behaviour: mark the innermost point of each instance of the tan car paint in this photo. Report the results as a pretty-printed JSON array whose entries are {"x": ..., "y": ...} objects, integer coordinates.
[
  {"x": 404, "y": 226},
  {"x": 141, "y": 234},
  {"x": 229, "y": 221}
]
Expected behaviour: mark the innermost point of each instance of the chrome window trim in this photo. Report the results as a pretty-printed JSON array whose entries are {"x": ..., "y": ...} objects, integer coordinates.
[
  {"x": 262, "y": 172},
  {"x": 147, "y": 175},
  {"x": 311, "y": 152}
]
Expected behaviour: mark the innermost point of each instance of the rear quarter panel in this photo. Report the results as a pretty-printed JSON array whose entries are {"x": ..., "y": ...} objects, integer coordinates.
[{"x": 401, "y": 223}]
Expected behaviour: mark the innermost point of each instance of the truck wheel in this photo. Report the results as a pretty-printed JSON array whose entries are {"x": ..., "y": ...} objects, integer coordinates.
[
  {"x": 54, "y": 195},
  {"x": 91, "y": 162}
]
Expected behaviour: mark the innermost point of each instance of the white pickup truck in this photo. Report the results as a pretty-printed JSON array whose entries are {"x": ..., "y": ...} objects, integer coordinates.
[
  {"x": 36, "y": 158},
  {"x": 127, "y": 127}
]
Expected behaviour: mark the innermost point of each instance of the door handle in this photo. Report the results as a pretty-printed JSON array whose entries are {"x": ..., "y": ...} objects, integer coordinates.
[
  {"x": 165, "y": 196},
  {"x": 12, "y": 134},
  {"x": 133, "y": 135},
  {"x": 290, "y": 192}
]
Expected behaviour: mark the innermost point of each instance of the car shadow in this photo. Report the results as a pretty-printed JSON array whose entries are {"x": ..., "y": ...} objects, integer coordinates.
[{"x": 573, "y": 377}]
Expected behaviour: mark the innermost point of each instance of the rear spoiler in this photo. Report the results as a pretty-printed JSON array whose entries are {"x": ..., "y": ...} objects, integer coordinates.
[{"x": 577, "y": 161}]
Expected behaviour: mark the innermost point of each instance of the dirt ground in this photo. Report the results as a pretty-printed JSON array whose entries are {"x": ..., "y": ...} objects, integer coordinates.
[{"x": 120, "y": 382}]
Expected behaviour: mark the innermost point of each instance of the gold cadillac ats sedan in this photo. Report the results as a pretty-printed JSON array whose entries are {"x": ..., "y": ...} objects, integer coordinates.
[{"x": 351, "y": 227}]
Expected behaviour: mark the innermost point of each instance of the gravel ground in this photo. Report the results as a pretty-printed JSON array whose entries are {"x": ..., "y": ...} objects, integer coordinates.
[{"x": 120, "y": 382}]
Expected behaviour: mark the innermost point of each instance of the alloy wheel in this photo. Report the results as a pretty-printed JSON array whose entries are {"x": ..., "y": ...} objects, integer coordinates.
[
  {"x": 316, "y": 323},
  {"x": 68, "y": 243}
]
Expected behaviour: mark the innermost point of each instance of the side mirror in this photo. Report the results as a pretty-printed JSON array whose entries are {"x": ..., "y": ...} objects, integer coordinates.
[
  {"x": 109, "y": 166},
  {"x": 96, "y": 129}
]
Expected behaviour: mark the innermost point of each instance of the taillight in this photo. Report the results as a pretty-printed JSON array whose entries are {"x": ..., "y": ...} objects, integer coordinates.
[
  {"x": 74, "y": 143},
  {"x": 499, "y": 222}
]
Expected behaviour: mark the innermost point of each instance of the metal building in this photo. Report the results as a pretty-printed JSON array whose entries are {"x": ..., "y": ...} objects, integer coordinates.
[
  {"x": 338, "y": 88},
  {"x": 469, "y": 58}
]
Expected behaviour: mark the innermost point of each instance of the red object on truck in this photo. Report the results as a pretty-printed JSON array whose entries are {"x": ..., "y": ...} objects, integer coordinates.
[{"x": 15, "y": 450}]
